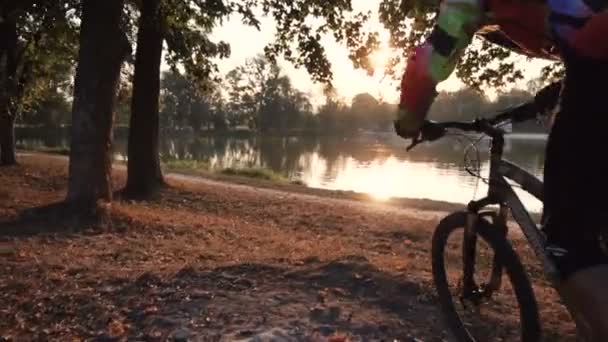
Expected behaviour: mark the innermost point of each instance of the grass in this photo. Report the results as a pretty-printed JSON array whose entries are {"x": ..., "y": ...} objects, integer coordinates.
[
  {"x": 262, "y": 174},
  {"x": 44, "y": 149},
  {"x": 257, "y": 173},
  {"x": 190, "y": 166},
  {"x": 195, "y": 166},
  {"x": 186, "y": 165},
  {"x": 298, "y": 182}
]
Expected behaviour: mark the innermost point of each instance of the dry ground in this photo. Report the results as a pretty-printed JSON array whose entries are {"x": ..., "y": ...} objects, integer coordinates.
[{"x": 218, "y": 261}]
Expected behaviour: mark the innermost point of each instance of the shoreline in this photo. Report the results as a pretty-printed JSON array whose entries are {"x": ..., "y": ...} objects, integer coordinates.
[
  {"x": 424, "y": 204},
  {"x": 401, "y": 202}
]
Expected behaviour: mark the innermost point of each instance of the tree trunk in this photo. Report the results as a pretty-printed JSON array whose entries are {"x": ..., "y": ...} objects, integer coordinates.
[
  {"x": 103, "y": 48},
  {"x": 8, "y": 69},
  {"x": 7, "y": 140},
  {"x": 144, "y": 173}
]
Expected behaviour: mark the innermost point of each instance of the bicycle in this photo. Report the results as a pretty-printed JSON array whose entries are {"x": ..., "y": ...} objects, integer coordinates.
[{"x": 491, "y": 225}]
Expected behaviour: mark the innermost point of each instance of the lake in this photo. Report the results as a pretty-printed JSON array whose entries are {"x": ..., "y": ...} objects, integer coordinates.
[{"x": 376, "y": 164}]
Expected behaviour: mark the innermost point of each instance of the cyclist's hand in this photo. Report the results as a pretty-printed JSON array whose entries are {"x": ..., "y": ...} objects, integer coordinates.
[
  {"x": 408, "y": 125},
  {"x": 405, "y": 131},
  {"x": 429, "y": 131}
]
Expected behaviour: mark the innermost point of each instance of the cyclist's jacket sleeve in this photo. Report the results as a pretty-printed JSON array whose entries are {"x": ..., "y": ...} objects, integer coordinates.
[
  {"x": 581, "y": 26},
  {"x": 436, "y": 59}
]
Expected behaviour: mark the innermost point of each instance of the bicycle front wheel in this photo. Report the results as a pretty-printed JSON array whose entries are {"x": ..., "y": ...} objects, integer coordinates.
[{"x": 485, "y": 315}]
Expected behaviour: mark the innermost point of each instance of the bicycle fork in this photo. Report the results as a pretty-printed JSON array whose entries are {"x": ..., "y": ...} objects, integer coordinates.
[
  {"x": 471, "y": 290},
  {"x": 469, "y": 247}
]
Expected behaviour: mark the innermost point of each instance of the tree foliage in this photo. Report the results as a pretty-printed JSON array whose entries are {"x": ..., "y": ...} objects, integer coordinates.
[
  {"x": 260, "y": 96},
  {"x": 256, "y": 95},
  {"x": 51, "y": 111},
  {"x": 302, "y": 24},
  {"x": 265, "y": 98},
  {"x": 300, "y": 28},
  {"x": 36, "y": 58},
  {"x": 36, "y": 46},
  {"x": 468, "y": 104},
  {"x": 295, "y": 27},
  {"x": 185, "y": 103}
]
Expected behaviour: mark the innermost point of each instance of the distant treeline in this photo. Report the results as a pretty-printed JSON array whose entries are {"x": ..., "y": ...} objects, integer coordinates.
[
  {"x": 467, "y": 104},
  {"x": 260, "y": 97}
]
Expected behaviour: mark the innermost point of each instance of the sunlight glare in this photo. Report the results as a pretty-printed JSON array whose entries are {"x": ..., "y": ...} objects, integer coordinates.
[
  {"x": 380, "y": 58},
  {"x": 383, "y": 180}
]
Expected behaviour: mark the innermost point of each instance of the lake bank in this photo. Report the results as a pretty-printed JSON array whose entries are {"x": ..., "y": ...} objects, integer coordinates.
[
  {"x": 236, "y": 178},
  {"x": 365, "y": 164}
]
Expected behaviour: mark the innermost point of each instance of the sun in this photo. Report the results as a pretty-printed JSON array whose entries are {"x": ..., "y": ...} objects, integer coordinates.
[{"x": 380, "y": 58}]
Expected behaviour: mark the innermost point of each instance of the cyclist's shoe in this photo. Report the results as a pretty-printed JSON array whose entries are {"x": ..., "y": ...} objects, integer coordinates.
[
  {"x": 578, "y": 254},
  {"x": 556, "y": 252}
]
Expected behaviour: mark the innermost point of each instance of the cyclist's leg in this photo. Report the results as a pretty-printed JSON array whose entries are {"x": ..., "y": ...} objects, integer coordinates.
[
  {"x": 584, "y": 293},
  {"x": 576, "y": 188}
]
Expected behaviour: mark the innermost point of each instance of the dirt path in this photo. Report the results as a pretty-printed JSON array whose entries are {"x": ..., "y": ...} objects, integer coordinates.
[{"x": 215, "y": 261}]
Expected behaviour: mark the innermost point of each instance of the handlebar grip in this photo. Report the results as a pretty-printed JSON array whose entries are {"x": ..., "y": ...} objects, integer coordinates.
[{"x": 431, "y": 131}]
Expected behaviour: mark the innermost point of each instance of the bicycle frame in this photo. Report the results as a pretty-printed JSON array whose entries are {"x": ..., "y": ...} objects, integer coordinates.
[{"x": 501, "y": 193}]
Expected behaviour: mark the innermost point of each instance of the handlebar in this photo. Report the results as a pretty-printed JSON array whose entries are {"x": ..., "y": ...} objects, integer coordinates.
[{"x": 435, "y": 130}]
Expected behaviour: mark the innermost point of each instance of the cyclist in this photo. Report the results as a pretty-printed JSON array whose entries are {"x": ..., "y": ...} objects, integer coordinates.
[{"x": 575, "y": 31}]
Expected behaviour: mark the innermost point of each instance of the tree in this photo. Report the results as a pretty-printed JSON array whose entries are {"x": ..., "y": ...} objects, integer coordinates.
[
  {"x": 515, "y": 97},
  {"x": 384, "y": 116},
  {"x": 144, "y": 175},
  {"x": 363, "y": 108},
  {"x": 174, "y": 99},
  {"x": 162, "y": 20},
  {"x": 241, "y": 104},
  {"x": 464, "y": 104},
  {"x": 13, "y": 71},
  {"x": 189, "y": 103},
  {"x": 333, "y": 116},
  {"x": 103, "y": 48},
  {"x": 512, "y": 98},
  {"x": 220, "y": 118},
  {"x": 298, "y": 109},
  {"x": 124, "y": 98},
  {"x": 51, "y": 111},
  {"x": 36, "y": 47},
  {"x": 263, "y": 95}
]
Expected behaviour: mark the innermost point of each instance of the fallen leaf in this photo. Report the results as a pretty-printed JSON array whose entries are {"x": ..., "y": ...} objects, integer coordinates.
[
  {"x": 116, "y": 328},
  {"x": 151, "y": 310}
]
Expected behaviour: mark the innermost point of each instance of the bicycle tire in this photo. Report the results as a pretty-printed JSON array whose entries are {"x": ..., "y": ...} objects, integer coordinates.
[{"x": 529, "y": 316}]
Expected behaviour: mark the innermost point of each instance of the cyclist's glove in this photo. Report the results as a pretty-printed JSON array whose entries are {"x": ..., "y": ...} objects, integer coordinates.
[
  {"x": 407, "y": 125},
  {"x": 427, "y": 131}
]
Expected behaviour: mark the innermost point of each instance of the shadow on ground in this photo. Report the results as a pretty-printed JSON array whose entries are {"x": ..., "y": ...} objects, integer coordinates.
[{"x": 235, "y": 302}]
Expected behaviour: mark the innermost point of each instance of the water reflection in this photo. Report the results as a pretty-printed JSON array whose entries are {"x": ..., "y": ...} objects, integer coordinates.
[{"x": 372, "y": 164}]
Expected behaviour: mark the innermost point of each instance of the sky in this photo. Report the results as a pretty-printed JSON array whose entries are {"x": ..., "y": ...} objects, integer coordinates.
[{"x": 247, "y": 41}]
